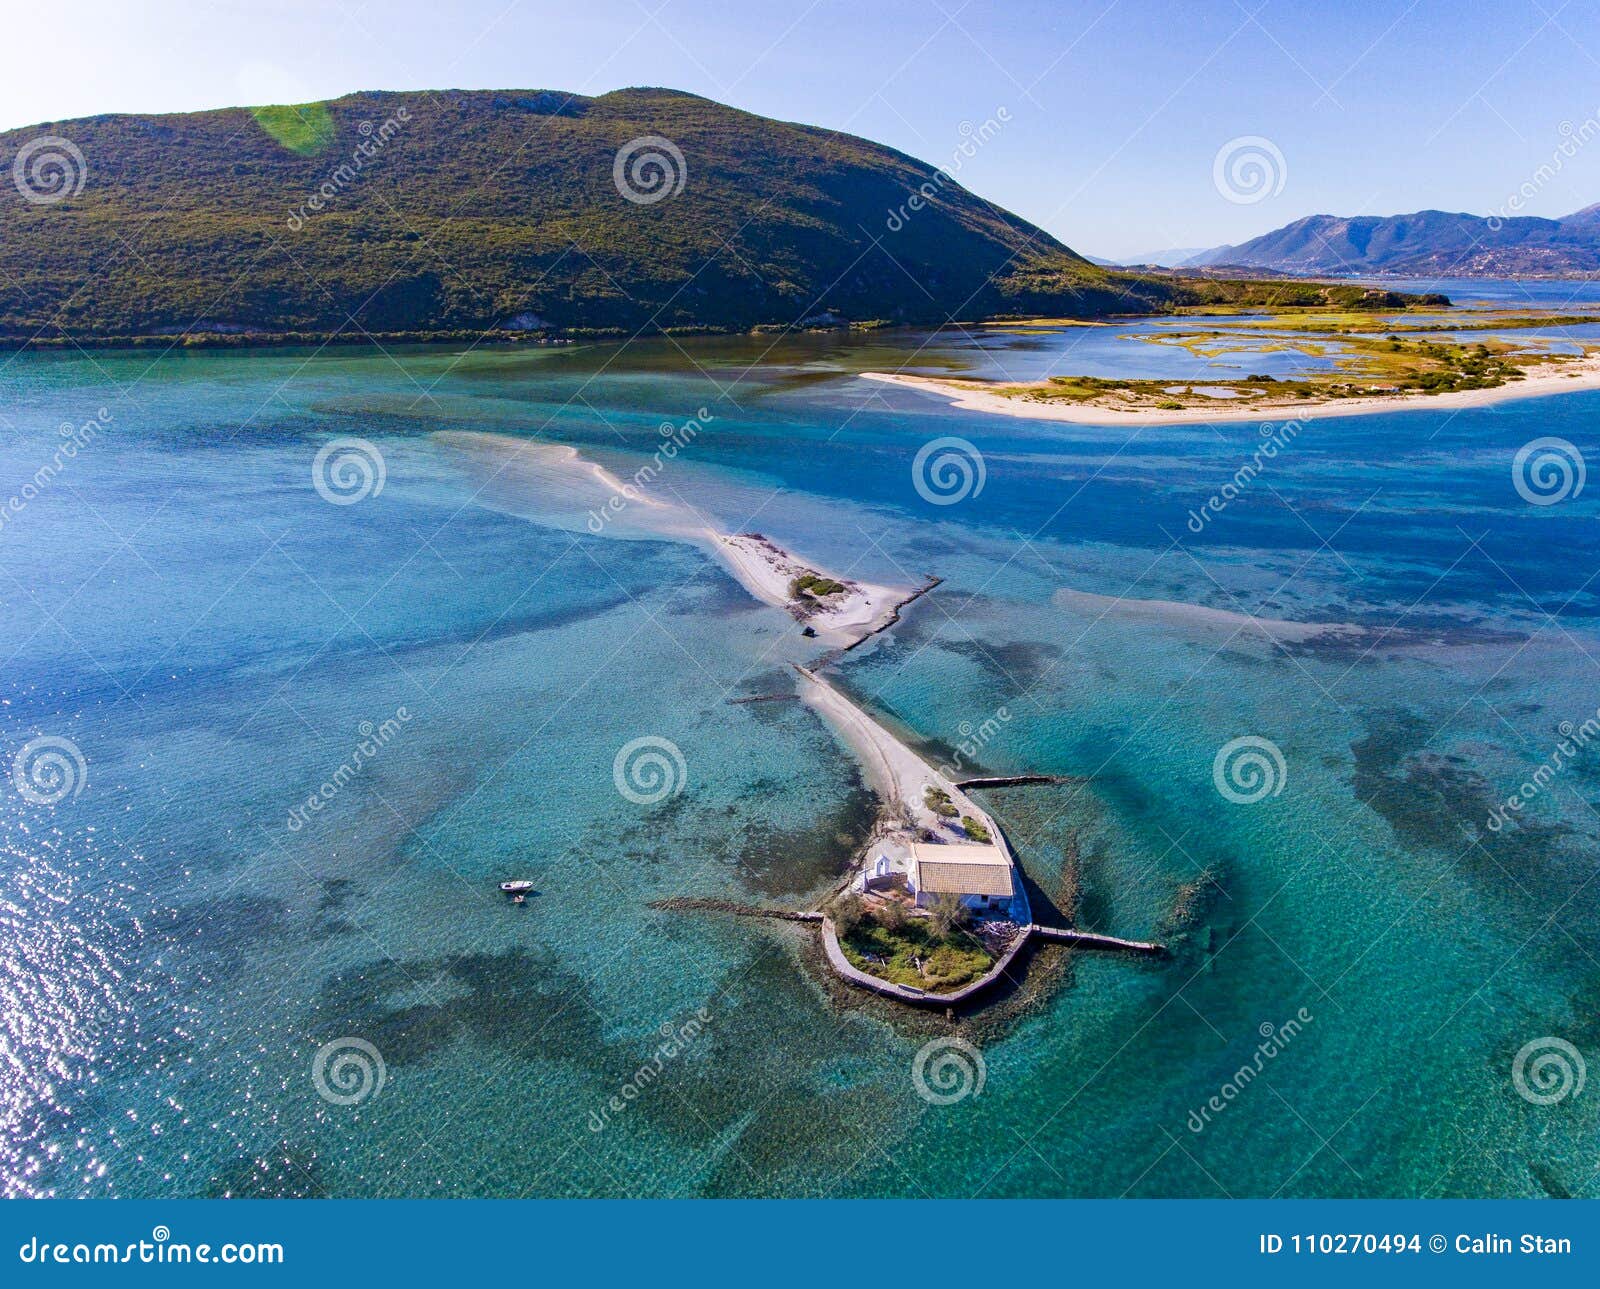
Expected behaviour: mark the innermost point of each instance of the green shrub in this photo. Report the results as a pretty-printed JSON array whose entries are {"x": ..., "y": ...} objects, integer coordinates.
[
  {"x": 947, "y": 914},
  {"x": 891, "y": 915},
  {"x": 916, "y": 955},
  {"x": 849, "y": 911},
  {"x": 814, "y": 585}
]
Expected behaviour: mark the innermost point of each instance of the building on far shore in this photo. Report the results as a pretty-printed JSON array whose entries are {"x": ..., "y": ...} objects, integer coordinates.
[{"x": 979, "y": 872}]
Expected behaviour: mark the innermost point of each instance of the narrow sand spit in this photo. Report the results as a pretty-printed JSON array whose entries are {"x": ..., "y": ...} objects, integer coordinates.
[
  {"x": 1177, "y": 613},
  {"x": 554, "y": 483},
  {"x": 897, "y": 774},
  {"x": 979, "y": 396},
  {"x": 894, "y": 771}
]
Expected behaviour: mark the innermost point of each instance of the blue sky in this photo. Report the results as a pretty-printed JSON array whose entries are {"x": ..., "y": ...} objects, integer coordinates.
[{"x": 1116, "y": 110}]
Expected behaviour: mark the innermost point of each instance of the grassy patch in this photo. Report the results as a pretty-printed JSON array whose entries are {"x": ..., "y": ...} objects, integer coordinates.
[
  {"x": 946, "y": 963},
  {"x": 304, "y": 128},
  {"x": 1381, "y": 358},
  {"x": 814, "y": 586},
  {"x": 1222, "y": 295},
  {"x": 1080, "y": 388}
]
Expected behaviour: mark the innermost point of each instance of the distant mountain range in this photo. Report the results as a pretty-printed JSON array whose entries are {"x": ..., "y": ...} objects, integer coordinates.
[
  {"x": 524, "y": 210},
  {"x": 1167, "y": 259},
  {"x": 1429, "y": 243}
]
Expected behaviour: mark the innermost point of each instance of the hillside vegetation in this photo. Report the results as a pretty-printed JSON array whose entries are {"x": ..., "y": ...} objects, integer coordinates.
[
  {"x": 462, "y": 211},
  {"x": 453, "y": 214}
]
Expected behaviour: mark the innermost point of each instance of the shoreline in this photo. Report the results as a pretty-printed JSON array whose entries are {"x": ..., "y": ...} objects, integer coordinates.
[
  {"x": 767, "y": 570},
  {"x": 898, "y": 776},
  {"x": 1571, "y": 377},
  {"x": 851, "y": 614},
  {"x": 893, "y": 770}
]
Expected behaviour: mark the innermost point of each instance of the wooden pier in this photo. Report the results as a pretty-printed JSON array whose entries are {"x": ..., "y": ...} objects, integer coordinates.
[
  {"x": 694, "y": 904},
  {"x": 1094, "y": 940},
  {"x": 1015, "y": 780},
  {"x": 894, "y": 616}
]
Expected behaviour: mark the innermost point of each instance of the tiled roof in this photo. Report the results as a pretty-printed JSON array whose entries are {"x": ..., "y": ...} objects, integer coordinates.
[{"x": 962, "y": 869}]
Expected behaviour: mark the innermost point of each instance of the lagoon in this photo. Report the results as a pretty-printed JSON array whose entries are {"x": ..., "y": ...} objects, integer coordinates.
[{"x": 219, "y": 642}]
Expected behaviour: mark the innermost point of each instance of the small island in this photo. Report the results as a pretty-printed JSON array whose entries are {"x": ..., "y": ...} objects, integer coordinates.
[
  {"x": 935, "y": 906},
  {"x": 836, "y": 609},
  {"x": 936, "y": 909}
]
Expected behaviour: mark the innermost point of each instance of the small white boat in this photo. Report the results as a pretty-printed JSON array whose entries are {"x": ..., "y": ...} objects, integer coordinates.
[{"x": 516, "y": 888}]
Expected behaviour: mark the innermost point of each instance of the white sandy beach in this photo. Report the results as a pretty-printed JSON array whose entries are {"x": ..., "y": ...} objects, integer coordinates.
[
  {"x": 555, "y": 483},
  {"x": 978, "y": 396},
  {"x": 765, "y": 569},
  {"x": 893, "y": 770}
]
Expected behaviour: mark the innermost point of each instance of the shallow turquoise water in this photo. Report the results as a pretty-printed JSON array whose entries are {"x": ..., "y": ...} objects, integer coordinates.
[{"x": 211, "y": 635}]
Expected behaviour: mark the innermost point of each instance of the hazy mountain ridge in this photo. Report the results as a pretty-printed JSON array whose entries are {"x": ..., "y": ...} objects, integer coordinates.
[{"x": 1427, "y": 243}]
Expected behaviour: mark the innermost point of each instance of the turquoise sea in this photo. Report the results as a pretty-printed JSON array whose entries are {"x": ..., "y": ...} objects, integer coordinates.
[{"x": 189, "y": 951}]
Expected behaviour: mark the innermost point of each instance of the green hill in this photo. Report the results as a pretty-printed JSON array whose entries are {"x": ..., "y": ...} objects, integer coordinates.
[{"x": 462, "y": 211}]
